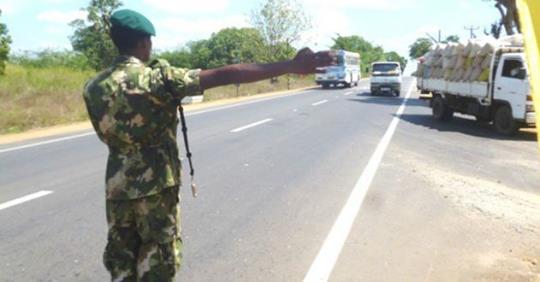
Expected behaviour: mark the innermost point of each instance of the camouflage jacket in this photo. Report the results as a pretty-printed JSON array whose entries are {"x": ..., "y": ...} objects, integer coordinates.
[{"x": 133, "y": 112}]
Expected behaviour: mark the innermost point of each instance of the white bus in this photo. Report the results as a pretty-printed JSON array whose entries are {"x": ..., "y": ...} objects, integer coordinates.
[{"x": 345, "y": 73}]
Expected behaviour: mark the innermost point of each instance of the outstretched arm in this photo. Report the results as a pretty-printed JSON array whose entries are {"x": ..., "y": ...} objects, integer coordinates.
[{"x": 305, "y": 62}]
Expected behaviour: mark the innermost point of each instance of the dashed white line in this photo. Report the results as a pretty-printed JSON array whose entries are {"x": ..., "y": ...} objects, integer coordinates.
[
  {"x": 251, "y": 125},
  {"x": 320, "y": 103},
  {"x": 348, "y": 93},
  {"x": 24, "y": 199},
  {"x": 326, "y": 259},
  {"x": 46, "y": 142}
]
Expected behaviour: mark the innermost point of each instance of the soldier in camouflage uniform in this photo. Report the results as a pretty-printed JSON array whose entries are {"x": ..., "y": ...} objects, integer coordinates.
[{"x": 133, "y": 108}]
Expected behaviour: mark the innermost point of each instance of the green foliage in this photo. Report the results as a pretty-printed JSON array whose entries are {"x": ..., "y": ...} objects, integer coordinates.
[
  {"x": 235, "y": 45},
  {"x": 451, "y": 38},
  {"x": 5, "y": 41},
  {"x": 179, "y": 58},
  {"x": 395, "y": 57},
  {"x": 93, "y": 40},
  {"x": 227, "y": 46},
  {"x": 280, "y": 23},
  {"x": 420, "y": 47},
  {"x": 200, "y": 53},
  {"x": 51, "y": 58},
  {"x": 369, "y": 53}
]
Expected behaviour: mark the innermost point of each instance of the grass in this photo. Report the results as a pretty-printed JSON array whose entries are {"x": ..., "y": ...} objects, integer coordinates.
[
  {"x": 41, "y": 97},
  {"x": 249, "y": 89}
]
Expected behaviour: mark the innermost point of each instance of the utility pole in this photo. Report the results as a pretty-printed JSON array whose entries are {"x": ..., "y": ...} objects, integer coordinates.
[
  {"x": 471, "y": 29},
  {"x": 435, "y": 40}
]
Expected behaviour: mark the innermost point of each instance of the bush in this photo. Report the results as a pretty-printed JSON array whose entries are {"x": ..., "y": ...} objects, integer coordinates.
[{"x": 51, "y": 58}]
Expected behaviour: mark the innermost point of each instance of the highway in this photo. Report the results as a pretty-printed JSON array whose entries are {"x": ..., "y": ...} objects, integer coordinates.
[{"x": 317, "y": 185}]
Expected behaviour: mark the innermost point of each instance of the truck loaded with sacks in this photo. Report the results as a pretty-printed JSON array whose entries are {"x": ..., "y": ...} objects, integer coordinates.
[{"x": 487, "y": 79}]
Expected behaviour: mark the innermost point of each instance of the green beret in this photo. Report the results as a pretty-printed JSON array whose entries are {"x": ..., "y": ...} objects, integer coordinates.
[{"x": 132, "y": 20}]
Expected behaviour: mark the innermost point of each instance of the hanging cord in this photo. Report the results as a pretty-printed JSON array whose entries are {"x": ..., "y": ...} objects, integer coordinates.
[
  {"x": 188, "y": 152},
  {"x": 184, "y": 133}
]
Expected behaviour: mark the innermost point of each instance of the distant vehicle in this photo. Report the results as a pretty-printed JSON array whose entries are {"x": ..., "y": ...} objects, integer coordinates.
[
  {"x": 346, "y": 73},
  {"x": 385, "y": 78},
  {"x": 505, "y": 99}
]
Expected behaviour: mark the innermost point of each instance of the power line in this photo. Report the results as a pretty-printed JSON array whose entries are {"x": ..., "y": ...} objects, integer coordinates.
[{"x": 471, "y": 29}]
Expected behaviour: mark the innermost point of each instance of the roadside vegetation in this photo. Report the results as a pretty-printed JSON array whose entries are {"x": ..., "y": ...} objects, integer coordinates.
[{"x": 44, "y": 88}]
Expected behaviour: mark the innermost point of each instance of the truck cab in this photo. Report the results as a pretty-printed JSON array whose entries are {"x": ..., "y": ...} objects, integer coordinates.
[
  {"x": 385, "y": 78},
  {"x": 512, "y": 92}
]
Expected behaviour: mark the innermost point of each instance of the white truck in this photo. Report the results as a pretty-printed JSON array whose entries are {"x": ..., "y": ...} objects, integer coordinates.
[
  {"x": 505, "y": 99},
  {"x": 385, "y": 77}
]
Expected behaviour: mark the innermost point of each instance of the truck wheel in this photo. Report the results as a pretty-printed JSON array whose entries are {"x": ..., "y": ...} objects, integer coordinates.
[
  {"x": 397, "y": 93},
  {"x": 504, "y": 121},
  {"x": 325, "y": 85},
  {"x": 440, "y": 109}
]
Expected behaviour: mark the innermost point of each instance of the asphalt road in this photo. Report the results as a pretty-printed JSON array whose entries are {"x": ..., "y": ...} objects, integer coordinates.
[{"x": 321, "y": 184}]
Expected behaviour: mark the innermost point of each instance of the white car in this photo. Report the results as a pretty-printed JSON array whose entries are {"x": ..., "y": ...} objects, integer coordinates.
[{"x": 385, "y": 78}]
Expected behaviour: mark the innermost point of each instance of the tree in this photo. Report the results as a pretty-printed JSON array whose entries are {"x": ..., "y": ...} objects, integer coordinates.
[
  {"x": 93, "y": 40},
  {"x": 200, "y": 53},
  {"x": 509, "y": 18},
  {"x": 235, "y": 45},
  {"x": 451, "y": 38},
  {"x": 178, "y": 58},
  {"x": 5, "y": 41},
  {"x": 420, "y": 47},
  {"x": 280, "y": 23},
  {"x": 368, "y": 52},
  {"x": 395, "y": 57}
]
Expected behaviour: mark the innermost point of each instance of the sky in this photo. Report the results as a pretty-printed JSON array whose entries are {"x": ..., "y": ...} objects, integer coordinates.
[{"x": 392, "y": 24}]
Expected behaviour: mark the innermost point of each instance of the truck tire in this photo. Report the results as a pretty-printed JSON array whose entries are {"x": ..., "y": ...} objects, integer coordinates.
[
  {"x": 325, "y": 85},
  {"x": 504, "y": 121},
  {"x": 440, "y": 109}
]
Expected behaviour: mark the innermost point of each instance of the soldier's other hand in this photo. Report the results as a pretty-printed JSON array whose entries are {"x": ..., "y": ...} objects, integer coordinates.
[{"x": 306, "y": 61}]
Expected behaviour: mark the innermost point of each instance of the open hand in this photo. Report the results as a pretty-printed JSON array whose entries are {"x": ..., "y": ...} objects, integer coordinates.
[{"x": 306, "y": 62}]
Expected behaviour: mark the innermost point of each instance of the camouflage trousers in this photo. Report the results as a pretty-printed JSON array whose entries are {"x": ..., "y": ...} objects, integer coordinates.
[{"x": 144, "y": 242}]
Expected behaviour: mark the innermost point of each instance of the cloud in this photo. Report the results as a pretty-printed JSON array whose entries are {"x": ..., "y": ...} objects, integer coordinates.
[
  {"x": 10, "y": 7},
  {"x": 172, "y": 31},
  {"x": 191, "y": 7},
  {"x": 59, "y": 17},
  {"x": 360, "y": 4}
]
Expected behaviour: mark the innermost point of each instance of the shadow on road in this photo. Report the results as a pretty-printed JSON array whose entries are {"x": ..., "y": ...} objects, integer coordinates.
[
  {"x": 466, "y": 126},
  {"x": 385, "y": 99}
]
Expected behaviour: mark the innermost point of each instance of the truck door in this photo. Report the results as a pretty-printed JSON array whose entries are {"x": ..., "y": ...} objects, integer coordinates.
[{"x": 511, "y": 85}]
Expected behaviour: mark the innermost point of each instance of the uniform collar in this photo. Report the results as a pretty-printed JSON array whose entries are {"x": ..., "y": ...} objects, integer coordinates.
[{"x": 124, "y": 59}]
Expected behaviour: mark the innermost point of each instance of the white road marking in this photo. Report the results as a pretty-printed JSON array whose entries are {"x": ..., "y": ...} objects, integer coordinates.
[
  {"x": 348, "y": 93},
  {"x": 194, "y": 113},
  {"x": 251, "y": 125},
  {"x": 326, "y": 259},
  {"x": 187, "y": 114},
  {"x": 46, "y": 142},
  {"x": 24, "y": 199},
  {"x": 320, "y": 103}
]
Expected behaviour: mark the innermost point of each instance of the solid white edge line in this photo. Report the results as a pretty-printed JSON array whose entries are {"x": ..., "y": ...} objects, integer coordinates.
[
  {"x": 319, "y": 103},
  {"x": 24, "y": 199},
  {"x": 251, "y": 125},
  {"x": 326, "y": 259},
  {"x": 46, "y": 142}
]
